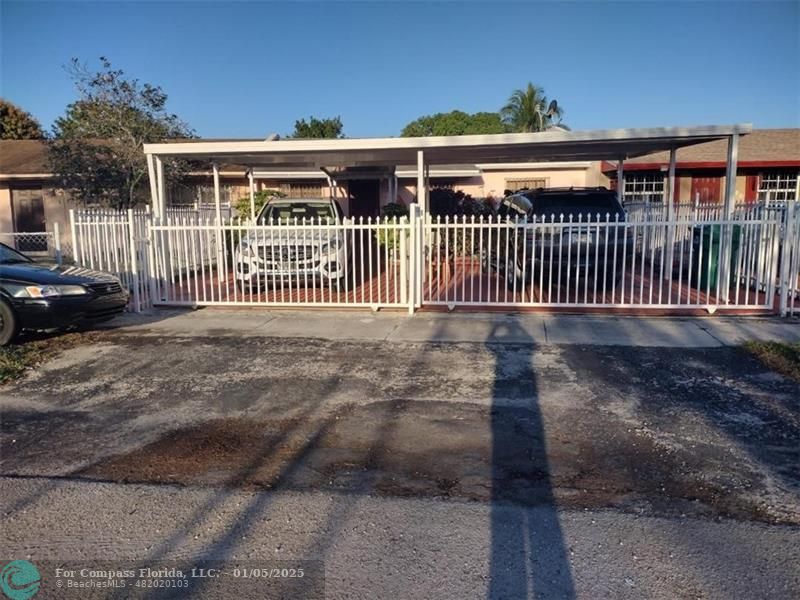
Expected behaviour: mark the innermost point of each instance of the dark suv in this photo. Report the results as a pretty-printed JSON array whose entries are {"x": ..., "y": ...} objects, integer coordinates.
[{"x": 570, "y": 238}]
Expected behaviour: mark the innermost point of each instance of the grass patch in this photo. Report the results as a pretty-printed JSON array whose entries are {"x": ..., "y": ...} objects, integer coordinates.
[
  {"x": 778, "y": 356},
  {"x": 16, "y": 359}
]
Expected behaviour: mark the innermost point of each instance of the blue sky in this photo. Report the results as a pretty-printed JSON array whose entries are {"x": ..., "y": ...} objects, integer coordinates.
[{"x": 245, "y": 69}]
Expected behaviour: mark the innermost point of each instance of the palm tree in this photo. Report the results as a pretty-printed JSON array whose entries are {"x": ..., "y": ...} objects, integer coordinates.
[{"x": 529, "y": 110}]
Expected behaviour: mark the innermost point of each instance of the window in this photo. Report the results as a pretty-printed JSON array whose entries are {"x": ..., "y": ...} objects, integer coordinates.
[
  {"x": 514, "y": 185},
  {"x": 287, "y": 212},
  {"x": 205, "y": 195},
  {"x": 302, "y": 189},
  {"x": 644, "y": 187},
  {"x": 777, "y": 187}
]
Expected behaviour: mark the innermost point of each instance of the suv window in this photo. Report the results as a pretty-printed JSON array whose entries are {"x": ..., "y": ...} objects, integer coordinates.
[
  {"x": 286, "y": 211},
  {"x": 567, "y": 202}
]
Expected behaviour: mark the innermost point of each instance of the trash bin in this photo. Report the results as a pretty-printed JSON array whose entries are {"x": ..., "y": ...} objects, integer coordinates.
[{"x": 706, "y": 259}]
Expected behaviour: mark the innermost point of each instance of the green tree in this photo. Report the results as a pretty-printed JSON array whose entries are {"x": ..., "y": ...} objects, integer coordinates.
[
  {"x": 317, "y": 129},
  {"x": 455, "y": 122},
  {"x": 529, "y": 110},
  {"x": 97, "y": 148},
  {"x": 17, "y": 124}
]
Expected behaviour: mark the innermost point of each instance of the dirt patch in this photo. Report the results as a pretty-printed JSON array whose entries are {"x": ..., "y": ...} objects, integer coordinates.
[{"x": 447, "y": 450}]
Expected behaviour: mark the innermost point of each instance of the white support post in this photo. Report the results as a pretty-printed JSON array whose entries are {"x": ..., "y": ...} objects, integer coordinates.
[
  {"x": 730, "y": 175},
  {"x": 217, "y": 208},
  {"x": 151, "y": 175},
  {"x": 667, "y": 271},
  {"x": 137, "y": 304},
  {"x": 791, "y": 229},
  {"x": 218, "y": 215},
  {"x": 421, "y": 190},
  {"x": 252, "y": 195},
  {"x": 73, "y": 235},
  {"x": 726, "y": 250},
  {"x": 621, "y": 180},
  {"x": 413, "y": 214},
  {"x": 57, "y": 242},
  {"x": 162, "y": 189},
  {"x": 671, "y": 184}
]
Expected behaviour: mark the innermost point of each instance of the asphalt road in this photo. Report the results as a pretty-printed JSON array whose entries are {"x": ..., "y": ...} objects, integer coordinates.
[{"x": 502, "y": 469}]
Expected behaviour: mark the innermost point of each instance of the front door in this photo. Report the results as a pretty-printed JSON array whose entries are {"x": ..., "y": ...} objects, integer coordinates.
[
  {"x": 27, "y": 206},
  {"x": 364, "y": 197}
]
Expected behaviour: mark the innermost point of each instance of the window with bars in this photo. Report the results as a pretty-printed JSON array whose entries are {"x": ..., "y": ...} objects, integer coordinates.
[
  {"x": 514, "y": 185},
  {"x": 777, "y": 186},
  {"x": 644, "y": 187},
  {"x": 302, "y": 189}
]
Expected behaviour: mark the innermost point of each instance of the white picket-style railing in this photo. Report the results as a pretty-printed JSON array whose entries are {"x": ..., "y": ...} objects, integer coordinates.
[
  {"x": 637, "y": 261},
  {"x": 300, "y": 262},
  {"x": 600, "y": 261}
]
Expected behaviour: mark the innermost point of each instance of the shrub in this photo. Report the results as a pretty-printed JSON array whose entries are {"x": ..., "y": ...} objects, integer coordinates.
[
  {"x": 394, "y": 209},
  {"x": 391, "y": 237},
  {"x": 242, "y": 205}
]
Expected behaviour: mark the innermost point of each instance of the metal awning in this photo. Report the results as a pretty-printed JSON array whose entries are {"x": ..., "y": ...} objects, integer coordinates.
[
  {"x": 607, "y": 144},
  {"x": 343, "y": 155}
]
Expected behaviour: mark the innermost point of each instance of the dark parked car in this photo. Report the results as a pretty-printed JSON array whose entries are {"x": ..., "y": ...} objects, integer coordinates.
[
  {"x": 580, "y": 247},
  {"x": 43, "y": 296}
]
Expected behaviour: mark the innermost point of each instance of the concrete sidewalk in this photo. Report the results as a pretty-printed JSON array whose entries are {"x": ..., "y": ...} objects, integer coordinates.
[{"x": 462, "y": 327}]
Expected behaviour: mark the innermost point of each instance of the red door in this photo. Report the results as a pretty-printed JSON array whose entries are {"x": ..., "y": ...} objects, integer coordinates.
[
  {"x": 707, "y": 189},
  {"x": 751, "y": 188}
]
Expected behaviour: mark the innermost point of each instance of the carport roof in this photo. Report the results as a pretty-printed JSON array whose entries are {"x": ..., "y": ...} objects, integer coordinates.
[{"x": 607, "y": 144}]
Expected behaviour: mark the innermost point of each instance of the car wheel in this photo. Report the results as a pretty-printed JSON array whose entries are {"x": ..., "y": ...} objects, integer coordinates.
[
  {"x": 9, "y": 325},
  {"x": 512, "y": 279}
]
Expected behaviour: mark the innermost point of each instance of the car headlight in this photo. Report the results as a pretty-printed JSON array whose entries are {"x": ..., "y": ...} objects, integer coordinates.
[
  {"x": 331, "y": 246},
  {"x": 248, "y": 248},
  {"x": 52, "y": 291}
]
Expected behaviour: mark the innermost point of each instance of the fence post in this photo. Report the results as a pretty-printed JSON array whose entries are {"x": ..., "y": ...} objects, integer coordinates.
[
  {"x": 412, "y": 259},
  {"x": 404, "y": 256},
  {"x": 74, "y": 236},
  {"x": 151, "y": 259},
  {"x": 137, "y": 306},
  {"x": 786, "y": 286},
  {"x": 57, "y": 242}
]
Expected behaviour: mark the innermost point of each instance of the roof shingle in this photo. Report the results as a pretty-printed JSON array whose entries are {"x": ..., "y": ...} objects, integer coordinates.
[{"x": 763, "y": 145}]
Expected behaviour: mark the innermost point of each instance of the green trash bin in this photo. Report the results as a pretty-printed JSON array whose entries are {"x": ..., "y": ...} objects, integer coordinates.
[{"x": 706, "y": 258}]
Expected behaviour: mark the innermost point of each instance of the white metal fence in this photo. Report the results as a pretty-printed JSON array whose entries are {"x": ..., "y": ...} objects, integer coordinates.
[
  {"x": 790, "y": 262},
  {"x": 704, "y": 261},
  {"x": 598, "y": 261},
  {"x": 309, "y": 262},
  {"x": 116, "y": 242}
]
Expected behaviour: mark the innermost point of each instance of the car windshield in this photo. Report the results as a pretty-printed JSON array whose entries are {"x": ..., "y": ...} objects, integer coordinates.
[
  {"x": 282, "y": 212},
  {"x": 9, "y": 256},
  {"x": 563, "y": 203}
]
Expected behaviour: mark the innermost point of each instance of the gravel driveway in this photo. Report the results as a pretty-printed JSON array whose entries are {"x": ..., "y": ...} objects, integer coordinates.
[{"x": 532, "y": 446}]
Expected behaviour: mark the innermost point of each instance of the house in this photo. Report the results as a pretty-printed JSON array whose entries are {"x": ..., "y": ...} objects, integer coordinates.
[
  {"x": 769, "y": 169},
  {"x": 30, "y": 202}
]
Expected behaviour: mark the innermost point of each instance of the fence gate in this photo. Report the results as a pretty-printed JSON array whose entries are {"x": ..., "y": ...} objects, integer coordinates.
[
  {"x": 790, "y": 262},
  {"x": 196, "y": 261},
  {"x": 115, "y": 242},
  {"x": 698, "y": 260},
  {"x": 600, "y": 261}
]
